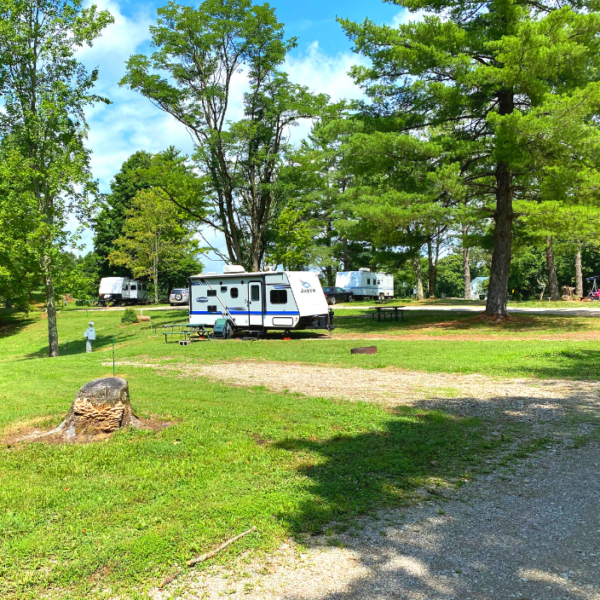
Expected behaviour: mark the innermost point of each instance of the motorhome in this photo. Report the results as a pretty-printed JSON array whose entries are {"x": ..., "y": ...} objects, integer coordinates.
[
  {"x": 283, "y": 300},
  {"x": 122, "y": 290},
  {"x": 365, "y": 284}
]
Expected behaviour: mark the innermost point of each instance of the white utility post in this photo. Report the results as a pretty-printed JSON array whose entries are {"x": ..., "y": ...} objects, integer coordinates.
[{"x": 89, "y": 335}]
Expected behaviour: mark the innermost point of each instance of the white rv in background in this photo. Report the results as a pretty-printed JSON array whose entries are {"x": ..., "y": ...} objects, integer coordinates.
[
  {"x": 259, "y": 301},
  {"x": 365, "y": 284},
  {"x": 122, "y": 290}
]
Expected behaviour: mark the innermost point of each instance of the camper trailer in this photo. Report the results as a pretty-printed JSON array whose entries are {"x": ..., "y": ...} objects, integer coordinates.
[
  {"x": 259, "y": 301},
  {"x": 365, "y": 284},
  {"x": 122, "y": 290}
]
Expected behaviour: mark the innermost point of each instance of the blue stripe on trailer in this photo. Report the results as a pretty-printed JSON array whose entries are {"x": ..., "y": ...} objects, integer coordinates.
[{"x": 245, "y": 312}]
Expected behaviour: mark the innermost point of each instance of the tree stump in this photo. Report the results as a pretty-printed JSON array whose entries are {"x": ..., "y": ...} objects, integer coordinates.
[{"x": 100, "y": 407}]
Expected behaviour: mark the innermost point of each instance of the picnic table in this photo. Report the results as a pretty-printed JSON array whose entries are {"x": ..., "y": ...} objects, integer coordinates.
[
  {"x": 188, "y": 331},
  {"x": 385, "y": 310}
]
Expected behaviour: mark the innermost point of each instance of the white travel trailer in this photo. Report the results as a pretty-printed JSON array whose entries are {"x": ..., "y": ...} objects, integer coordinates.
[
  {"x": 259, "y": 301},
  {"x": 122, "y": 290},
  {"x": 364, "y": 284}
]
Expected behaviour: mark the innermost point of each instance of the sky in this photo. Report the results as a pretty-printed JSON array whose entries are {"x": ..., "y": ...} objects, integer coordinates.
[{"x": 321, "y": 61}]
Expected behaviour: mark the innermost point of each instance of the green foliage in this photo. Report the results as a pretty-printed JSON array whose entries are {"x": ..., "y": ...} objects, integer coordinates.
[
  {"x": 293, "y": 242},
  {"x": 129, "y": 317},
  {"x": 156, "y": 240},
  {"x": 108, "y": 223}
]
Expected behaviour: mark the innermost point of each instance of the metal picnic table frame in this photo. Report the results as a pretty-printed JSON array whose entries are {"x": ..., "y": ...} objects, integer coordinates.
[
  {"x": 188, "y": 331},
  {"x": 391, "y": 310}
]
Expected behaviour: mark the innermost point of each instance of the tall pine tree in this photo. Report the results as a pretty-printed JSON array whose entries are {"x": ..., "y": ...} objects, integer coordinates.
[{"x": 514, "y": 82}]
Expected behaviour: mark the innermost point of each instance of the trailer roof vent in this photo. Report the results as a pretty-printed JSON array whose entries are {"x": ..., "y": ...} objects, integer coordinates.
[
  {"x": 364, "y": 269},
  {"x": 233, "y": 269}
]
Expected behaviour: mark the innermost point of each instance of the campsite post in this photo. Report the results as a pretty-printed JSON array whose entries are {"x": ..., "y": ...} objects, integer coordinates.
[{"x": 90, "y": 335}]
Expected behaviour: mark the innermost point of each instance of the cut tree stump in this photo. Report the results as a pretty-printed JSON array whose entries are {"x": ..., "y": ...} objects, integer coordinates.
[{"x": 100, "y": 407}]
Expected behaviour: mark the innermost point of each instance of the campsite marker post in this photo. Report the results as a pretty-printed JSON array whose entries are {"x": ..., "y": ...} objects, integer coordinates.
[{"x": 90, "y": 335}]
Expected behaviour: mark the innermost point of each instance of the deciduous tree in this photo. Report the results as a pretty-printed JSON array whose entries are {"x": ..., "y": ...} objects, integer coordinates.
[
  {"x": 44, "y": 90},
  {"x": 201, "y": 53}
]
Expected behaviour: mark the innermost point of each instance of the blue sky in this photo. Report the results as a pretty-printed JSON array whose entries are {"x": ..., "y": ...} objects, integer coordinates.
[{"x": 321, "y": 61}]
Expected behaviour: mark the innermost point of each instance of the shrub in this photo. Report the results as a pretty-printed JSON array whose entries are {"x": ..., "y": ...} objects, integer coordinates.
[{"x": 129, "y": 317}]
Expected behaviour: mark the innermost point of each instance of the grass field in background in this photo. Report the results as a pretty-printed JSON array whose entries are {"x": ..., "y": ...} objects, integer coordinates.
[{"x": 113, "y": 517}]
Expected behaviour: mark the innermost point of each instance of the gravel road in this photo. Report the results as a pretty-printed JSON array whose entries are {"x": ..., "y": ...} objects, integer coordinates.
[{"x": 532, "y": 534}]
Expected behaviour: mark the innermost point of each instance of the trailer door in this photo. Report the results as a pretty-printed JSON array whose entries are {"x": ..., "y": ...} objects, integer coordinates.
[{"x": 255, "y": 303}]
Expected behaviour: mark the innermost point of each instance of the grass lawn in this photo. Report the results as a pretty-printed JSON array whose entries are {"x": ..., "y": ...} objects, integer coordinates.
[{"x": 112, "y": 518}]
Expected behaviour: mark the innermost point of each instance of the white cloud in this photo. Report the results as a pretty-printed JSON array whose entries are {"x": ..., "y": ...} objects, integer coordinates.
[
  {"x": 130, "y": 123},
  {"x": 323, "y": 73},
  {"x": 405, "y": 16}
]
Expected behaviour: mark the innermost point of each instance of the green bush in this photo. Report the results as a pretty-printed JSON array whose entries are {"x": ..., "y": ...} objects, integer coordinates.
[{"x": 129, "y": 317}]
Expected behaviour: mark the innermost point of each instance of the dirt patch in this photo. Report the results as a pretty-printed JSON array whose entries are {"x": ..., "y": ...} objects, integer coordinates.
[
  {"x": 523, "y": 399},
  {"x": 40, "y": 430}
]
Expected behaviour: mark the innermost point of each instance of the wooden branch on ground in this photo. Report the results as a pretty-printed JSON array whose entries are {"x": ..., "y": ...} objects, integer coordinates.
[{"x": 199, "y": 559}]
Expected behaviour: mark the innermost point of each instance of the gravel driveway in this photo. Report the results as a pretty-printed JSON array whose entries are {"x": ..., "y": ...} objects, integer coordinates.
[
  {"x": 532, "y": 534},
  {"x": 539, "y": 402}
]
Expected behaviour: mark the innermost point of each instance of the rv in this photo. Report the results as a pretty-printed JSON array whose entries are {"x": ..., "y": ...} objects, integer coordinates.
[
  {"x": 259, "y": 301},
  {"x": 367, "y": 285},
  {"x": 122, "y": 290}
]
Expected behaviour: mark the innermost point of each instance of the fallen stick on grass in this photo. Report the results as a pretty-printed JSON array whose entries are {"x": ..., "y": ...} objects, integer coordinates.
[
  {"x": 199, "y": 559},
  {"x": 168, "y": 580},
  {"x": 195, "y": 561}
]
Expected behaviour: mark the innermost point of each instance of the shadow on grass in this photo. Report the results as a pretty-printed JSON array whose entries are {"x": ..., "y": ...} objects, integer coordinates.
[
  {"x": 13, "y": 322},
  {"x": 353, "y": 474},
  {"x": 78, "y": 346},
  {"x": 461, "y": 323}
]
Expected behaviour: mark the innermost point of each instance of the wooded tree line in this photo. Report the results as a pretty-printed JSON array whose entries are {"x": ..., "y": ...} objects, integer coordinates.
[{"x": 476, "y": 143}]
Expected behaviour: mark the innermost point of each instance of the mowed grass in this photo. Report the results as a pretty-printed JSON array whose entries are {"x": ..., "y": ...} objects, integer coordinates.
[{"x": 112, "y": 518}]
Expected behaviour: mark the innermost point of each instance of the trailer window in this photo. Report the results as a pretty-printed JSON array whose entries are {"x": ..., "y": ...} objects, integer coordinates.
[
  {"x": 211, "y": 293},
  {"x": 223, "y": 288},
  {"x": 212, "y": 309},
  {"x": 133, "y": 288},
  {"x": 278, "y": 297},
  {"x": 234, "y": 292},
  {"x": 368, "y": 282},
  {"x": 254, "y": 293}
]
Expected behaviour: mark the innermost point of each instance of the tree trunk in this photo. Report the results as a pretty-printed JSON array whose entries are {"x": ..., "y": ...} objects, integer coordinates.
[
  {"x": 431, "y": 271},
  {"x": 578, "y": 274},
  {"x": 466, "y": 266},
  {"x": 466, "y": 273},
  {"x": 552, "y": 280},
  {"x": 500, "y": 269},
  {"x": 51, "y": 310},
  {"x": 346, "y": 257},
  {"x": 419, "y": 276}
]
